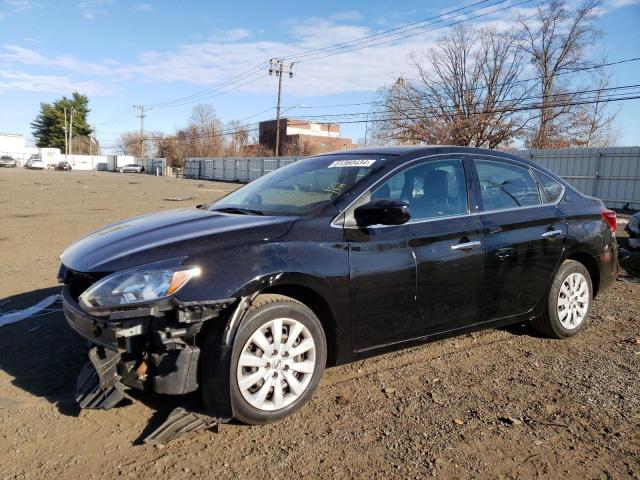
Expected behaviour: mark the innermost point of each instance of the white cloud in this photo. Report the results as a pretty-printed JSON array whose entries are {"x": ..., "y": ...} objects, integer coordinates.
[
  {"x": 351, "y": 15},
  {"x": 232, "y": 52},
  {"x": 11, "y": 54},
  {"x": 615, "y": 4},
  {"x": 18, "y": 5},
  {"x": 90, "y": 9},
  {"x": 233, "y": 34},
  {"x": 145, "y": 7},
  {"x": 17, "y": 80}
]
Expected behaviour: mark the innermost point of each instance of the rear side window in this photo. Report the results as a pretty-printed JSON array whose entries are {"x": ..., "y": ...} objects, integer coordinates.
[
  {"x": 432, "y": 189},
  {"x": 552, "y": 188},
  {"x": 506, "y": 186}
]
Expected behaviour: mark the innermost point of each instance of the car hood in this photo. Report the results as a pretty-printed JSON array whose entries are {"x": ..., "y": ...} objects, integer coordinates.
[{"x": 189, "y": 232}]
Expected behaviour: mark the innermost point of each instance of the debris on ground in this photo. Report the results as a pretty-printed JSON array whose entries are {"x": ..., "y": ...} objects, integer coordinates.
[
  {"x": 18, "y": 315},
  {"x": 180, "y": 199}
]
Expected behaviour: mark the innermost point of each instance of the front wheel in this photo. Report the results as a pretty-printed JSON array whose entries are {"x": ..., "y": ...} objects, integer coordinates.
[
  {"x": 568, "y": 302},
  {"x": 278, "y": 359}
]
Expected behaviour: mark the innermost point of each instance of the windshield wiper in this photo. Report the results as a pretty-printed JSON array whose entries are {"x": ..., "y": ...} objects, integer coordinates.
[{"x": 239, "y": 210}]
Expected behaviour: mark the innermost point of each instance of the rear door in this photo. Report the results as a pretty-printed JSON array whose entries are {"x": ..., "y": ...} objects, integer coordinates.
[{"x": 525, "y": 236}]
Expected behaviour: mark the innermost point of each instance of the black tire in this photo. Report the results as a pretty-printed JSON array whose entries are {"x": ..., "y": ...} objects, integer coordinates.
[
  {"x": 264, "y": 309},
  {"x": 549, "y": 324}
]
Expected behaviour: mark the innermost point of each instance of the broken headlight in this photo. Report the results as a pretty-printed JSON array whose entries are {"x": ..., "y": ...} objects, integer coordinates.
[{"x": 138, "y": 285}]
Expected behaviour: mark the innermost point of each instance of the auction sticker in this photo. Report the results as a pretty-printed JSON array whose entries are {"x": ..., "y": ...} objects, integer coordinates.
[{"x": 352, "y": 163}]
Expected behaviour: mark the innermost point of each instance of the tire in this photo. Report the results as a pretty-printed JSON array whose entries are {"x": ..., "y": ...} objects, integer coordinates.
[
  {"x": 568, "y": 302},
  {"x": 282, "y": 369}
]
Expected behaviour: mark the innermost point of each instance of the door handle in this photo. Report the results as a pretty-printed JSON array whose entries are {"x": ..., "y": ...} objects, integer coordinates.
[
  {"x": 465, "y": 246},
  {"x": 552, "y": 233}
]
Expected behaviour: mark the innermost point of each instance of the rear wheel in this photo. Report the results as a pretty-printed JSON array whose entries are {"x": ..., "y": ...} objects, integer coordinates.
[
  {"x": 278, "y": 359},
  {"x": 568, "y": 302}
]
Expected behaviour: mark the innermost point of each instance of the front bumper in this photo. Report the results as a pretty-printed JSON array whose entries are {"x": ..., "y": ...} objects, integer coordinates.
[
  {"x": 107, "y": 334},
  {"x": 157, "y": 351}
]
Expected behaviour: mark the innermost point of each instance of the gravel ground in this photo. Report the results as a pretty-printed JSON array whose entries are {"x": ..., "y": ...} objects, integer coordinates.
[{"x": 501, "y": 403}]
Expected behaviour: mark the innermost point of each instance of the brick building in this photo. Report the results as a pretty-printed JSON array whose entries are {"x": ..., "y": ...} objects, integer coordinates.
[{"x": 302, "y": 137}]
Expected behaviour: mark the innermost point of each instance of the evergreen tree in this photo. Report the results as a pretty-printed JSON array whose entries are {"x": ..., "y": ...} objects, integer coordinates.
[{"x": 48, "y": 126}]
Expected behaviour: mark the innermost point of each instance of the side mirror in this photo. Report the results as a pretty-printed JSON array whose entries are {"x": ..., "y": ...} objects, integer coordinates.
[{"x": 382, "y": 212}]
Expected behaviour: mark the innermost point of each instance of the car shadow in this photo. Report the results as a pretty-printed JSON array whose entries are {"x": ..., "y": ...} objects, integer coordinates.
[
  {"x": 43, "y": 356},
  {"x": 522, "y": 329}
]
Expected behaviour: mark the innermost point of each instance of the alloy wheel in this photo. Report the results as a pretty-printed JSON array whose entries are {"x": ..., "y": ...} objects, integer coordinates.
[
  {"x": 573, "y": 301},
  {"x": 276, "y": 364}
]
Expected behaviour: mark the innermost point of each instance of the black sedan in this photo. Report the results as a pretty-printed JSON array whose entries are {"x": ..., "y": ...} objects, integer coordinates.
[
  {"x": 131, "y": 168},
  {"x": 326, "y": 261},
  {"x": 63, "y": 166}
]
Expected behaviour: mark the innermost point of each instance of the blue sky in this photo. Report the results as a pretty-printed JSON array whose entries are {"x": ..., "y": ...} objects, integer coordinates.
[{"x": 122, "y": 53}]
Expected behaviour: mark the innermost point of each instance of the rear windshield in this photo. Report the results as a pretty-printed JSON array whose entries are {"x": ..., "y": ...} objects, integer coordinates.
[{"x": 303, "y": 186}]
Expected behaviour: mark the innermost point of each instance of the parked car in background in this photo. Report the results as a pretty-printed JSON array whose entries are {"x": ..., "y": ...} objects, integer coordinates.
[
  {"x": 7, "y": 161},
  {"x": 131, "y": 168},
  {"x": 630, "y": 257},
  {"x": 64, "y": 166},
  {"x": 35, "y": 163},
  {"x": 326, "y": 261}
]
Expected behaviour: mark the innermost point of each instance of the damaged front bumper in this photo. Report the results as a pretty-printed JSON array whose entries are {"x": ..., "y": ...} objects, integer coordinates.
[{"x": 147, "y": 348}]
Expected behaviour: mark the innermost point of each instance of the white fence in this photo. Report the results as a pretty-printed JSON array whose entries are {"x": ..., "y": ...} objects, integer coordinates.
[{"x": 612, "y": 174}]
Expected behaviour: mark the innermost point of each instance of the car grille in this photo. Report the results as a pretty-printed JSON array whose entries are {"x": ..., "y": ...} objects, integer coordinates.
[{"x": 78, "y": 282}]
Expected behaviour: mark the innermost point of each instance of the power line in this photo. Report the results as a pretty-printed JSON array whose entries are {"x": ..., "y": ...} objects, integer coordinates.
[
  {"x": 341, "y": 52},
  {"x": 116, "y": 117},
  {"x": 534, "y": 106},
  {"x": 574, "y": 70},
  {"x": 200, "y": 99},
  {"x": 505, "y": 100},
  {"x": 204, "y": 94},
  {"x": 196, "y": 96},
  {"x": 386, "y": 33},
  {"x": 527, "y": 107}
]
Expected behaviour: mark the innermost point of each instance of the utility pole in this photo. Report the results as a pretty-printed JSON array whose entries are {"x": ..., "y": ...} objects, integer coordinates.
[
  {"x": 94, "y": 138},
  {"x": 279, "y": 67},
  {"x": 141, "y": 115},
  {"x": 66, "y": 147},
  {"x": 71, "y": 133}
]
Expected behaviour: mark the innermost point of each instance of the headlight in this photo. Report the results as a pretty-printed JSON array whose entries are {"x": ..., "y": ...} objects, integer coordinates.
[{"x": 139, "y": 285}]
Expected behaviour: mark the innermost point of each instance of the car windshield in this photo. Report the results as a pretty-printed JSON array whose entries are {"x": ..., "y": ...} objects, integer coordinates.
[{"x": 301, "y": 187}]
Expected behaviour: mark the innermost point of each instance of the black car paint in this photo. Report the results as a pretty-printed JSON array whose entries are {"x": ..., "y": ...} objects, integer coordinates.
[{"x": 375, "y": 289}]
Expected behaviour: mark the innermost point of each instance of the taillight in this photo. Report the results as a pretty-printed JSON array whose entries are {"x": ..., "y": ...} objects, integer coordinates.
[{"x": 609, "y": 216}]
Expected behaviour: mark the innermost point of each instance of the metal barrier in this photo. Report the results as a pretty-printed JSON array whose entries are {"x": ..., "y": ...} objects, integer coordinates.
[
  {"x": 153, "y": 166},
  {"x": 233, "y": 169}
]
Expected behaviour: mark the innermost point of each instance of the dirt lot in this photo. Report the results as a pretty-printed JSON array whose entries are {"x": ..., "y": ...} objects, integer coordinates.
[{"x": 498, "y": 404}]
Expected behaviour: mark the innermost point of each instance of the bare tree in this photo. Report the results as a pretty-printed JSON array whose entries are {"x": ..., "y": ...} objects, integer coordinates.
[
  {"x": 208, "y": 140},
  {"x": 556, "y": 43},
  {"x": 238, "y": 138},
  {"x": 129, "y": 143},
  {"x": 466, "y": 93},
  {"x": 594, "y": 123}
]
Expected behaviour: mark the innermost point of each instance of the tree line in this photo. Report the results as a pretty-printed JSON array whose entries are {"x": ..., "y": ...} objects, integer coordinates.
[
  {"x": 204, "y": 136},
  {"x": 535, "y": 85}
]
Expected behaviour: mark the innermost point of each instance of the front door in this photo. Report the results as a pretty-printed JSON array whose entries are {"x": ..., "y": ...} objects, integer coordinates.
[
  {"x": 425, "y": 276},
  {"x": 524, "y": 238}
]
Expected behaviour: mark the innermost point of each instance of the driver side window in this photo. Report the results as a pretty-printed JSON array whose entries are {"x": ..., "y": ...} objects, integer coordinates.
[{"x": 431, "y": 189}]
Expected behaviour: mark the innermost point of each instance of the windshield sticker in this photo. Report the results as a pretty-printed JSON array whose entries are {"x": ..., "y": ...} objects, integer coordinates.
[{"x": 352, "y": 163}]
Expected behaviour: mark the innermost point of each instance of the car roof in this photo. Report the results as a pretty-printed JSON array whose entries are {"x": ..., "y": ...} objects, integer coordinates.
[{"x": 414, "y": 151}]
